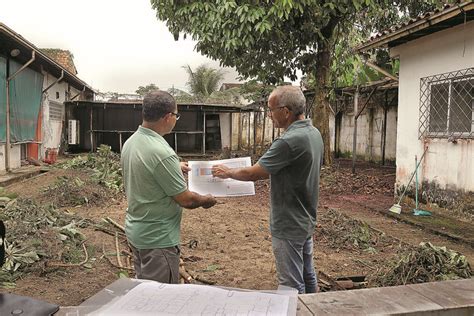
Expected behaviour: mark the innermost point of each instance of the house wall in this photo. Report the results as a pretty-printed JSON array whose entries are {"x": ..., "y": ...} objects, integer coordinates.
[
  {"x": 447, "y": 164},
  {"x": 52, "y": 128},
  {"x": 15, "y": 157}
]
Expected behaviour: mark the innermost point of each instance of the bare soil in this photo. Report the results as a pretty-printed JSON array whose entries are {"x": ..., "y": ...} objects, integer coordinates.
[{"x": 230, "y": 245}]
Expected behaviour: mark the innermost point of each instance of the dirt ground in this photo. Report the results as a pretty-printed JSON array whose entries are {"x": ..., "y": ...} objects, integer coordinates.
[{"x": 230, "y": 245}]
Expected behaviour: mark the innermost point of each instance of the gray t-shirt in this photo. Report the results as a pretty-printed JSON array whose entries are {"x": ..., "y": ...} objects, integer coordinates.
[{"x": 294, "y": 163}]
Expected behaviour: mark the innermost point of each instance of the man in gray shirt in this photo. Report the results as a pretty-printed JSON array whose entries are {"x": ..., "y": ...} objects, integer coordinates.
[{"x": 293, "y": 164}]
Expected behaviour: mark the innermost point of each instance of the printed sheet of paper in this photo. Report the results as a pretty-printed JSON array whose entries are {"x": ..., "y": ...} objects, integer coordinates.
[
  {"x": 201, "y": 179},
  {"x": 153, "y": 298}
]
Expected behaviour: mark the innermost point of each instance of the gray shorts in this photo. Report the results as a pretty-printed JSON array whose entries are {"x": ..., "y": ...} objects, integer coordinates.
[{"x": 161, "y": 264}]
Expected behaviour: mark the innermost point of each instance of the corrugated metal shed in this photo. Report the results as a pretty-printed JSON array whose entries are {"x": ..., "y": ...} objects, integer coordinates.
[{"x": 112, "y": 123}]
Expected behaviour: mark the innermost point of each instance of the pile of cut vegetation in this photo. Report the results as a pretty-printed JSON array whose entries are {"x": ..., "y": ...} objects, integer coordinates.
[
  {"x": 341, "y": 231},
  {"x": 36, "y": 235},
  {"x": 425, "y": 263},
  {"x": 68, "y": 191},
  {"x": 104, "y": 166}
]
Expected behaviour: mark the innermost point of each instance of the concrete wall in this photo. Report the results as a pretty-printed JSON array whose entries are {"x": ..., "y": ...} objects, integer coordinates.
[
  {"x": 448, "y": 164},
  {"x": 224, "y": 123},
  {"x": 15, "y": 155},
  {"x": 369, "y": 134}
]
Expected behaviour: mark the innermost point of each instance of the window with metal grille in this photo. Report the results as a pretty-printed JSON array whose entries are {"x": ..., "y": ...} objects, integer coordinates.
[
  {"x": 55, "y": 111},
  {"x": 447, "y": 105}
]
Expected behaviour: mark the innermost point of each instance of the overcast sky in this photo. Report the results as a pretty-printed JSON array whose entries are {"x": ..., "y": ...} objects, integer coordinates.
[{"x": 117, "y": 45}]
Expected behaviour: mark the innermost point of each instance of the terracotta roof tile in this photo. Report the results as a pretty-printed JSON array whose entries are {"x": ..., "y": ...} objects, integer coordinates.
[{"x": 63, "y": 57}]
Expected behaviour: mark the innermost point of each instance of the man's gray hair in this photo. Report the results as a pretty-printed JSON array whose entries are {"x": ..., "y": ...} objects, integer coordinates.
[
  {"x": 290, "y": 97},
  {"x": 156, "y": 105}
]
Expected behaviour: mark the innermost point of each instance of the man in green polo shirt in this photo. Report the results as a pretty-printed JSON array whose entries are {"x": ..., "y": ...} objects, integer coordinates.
[
  {"x": 293, "y": 164},
  {"x": 156, "y": 192}
]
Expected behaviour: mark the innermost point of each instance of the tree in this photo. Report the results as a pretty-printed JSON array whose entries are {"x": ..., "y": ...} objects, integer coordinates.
[
  {"x": 270, "y": 40},
  {"x": 142, "y": 90},
  {"x": 204, "y": 80}
]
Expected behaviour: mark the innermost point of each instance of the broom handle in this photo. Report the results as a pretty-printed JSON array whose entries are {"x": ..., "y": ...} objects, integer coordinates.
[{"x": 412, "y": 175}]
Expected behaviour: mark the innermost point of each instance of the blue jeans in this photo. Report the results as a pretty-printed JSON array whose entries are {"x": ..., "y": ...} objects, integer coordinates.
[{"x": 294, "y": 264}]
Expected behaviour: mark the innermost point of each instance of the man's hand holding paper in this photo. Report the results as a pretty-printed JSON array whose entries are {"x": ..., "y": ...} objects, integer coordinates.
[{"x": 212, "y": 177}]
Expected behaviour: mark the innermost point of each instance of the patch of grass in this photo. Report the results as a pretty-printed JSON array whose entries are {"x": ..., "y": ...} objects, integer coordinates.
[{"x": 5, "y": 193}]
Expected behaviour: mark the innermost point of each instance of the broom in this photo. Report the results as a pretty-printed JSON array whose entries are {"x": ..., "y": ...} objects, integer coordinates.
[{"x": 397, "y": 208}]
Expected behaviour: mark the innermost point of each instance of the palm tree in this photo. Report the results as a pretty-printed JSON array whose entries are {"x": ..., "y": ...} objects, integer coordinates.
[{"x": 204, "y": 80}]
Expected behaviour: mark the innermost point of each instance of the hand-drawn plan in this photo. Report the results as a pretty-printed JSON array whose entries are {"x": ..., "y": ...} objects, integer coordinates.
[
  {"x": 154, "y": 298},
  {"x": 201, "y": 179}
]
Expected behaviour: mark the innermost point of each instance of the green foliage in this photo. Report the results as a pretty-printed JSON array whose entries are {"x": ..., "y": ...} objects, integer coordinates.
[
  {"x": 255, "y": 91},
  {"x": 105, "y": 166},
  {"x": 270, "y": 40},
  {"x": 6, "y": 194},
  {"x": 204, "y": 80},
  {"x": 264, "y": 39},
  {"x": 36, "y": 232},
  {"x": 142, "y": 90}
]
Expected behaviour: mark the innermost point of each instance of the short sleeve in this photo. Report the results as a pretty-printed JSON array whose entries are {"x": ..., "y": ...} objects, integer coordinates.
[
  {"x": 169, "y": 175},
  {"x": 276, "y": 158}
]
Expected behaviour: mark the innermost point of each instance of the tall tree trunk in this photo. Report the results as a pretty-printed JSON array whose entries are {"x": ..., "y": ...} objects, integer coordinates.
[
  {"x": 323, "y": 66},
  {"x": 321, "y": 106}
]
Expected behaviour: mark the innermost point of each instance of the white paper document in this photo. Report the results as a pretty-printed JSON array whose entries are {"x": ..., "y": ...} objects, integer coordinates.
[
  {"x": 153, "y": 298},
  {"x": 201, "y": 179}
]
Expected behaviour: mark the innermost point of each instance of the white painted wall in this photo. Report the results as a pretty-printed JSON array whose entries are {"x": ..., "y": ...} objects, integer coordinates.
[
  {"x": 450, "y": 165},
  {"x": 15, "y": 157}
]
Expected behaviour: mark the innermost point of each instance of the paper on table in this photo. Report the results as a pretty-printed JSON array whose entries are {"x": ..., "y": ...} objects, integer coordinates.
[
  {"x": 201, "y": 179},
  {"x": 153, "y": 298}
]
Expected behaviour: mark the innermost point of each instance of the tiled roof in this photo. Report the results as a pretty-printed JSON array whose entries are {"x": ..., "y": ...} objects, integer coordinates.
[
  {"x": 421, "y": 22},
  {"x": 63, "y": 57}
]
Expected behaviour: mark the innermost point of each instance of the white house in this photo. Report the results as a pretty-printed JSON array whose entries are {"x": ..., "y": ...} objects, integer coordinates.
[
  {"x": 436, "y": 99},
  {"x": 33, "y": 89}
]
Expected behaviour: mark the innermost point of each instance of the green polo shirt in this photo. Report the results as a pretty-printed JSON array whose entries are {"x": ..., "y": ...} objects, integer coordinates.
[
  {"x": 152, "y": 175},
  {"x": 294, "y": 163}
]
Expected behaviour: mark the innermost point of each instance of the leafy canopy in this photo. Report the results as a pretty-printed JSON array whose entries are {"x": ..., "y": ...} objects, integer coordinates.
[
  {"x": 142, "y": 90},
  {"x": 268, "y": 40}
]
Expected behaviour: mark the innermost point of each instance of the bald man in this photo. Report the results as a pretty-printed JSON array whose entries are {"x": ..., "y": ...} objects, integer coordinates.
[{"x": 293, "y": 164}]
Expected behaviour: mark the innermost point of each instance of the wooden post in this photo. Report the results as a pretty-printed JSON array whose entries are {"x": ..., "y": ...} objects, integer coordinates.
[
  {"x": 239, "y": 141},
  {"x": 7, "y": 130},
  {"x": 254, "y": 150},
  {"x": 384, "y": 127},
  {"x": 354, "y": 138},
  {"x": 263, "y": 128},
  {"x": 230, "y": 128},
  {"x": 175, "y": 142},
  {"x": 120, "y": 141},
  {"x": 249, "y": 149},
  {"x": 204, "y": 133},
  {"x": 90, "y": 128}
]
